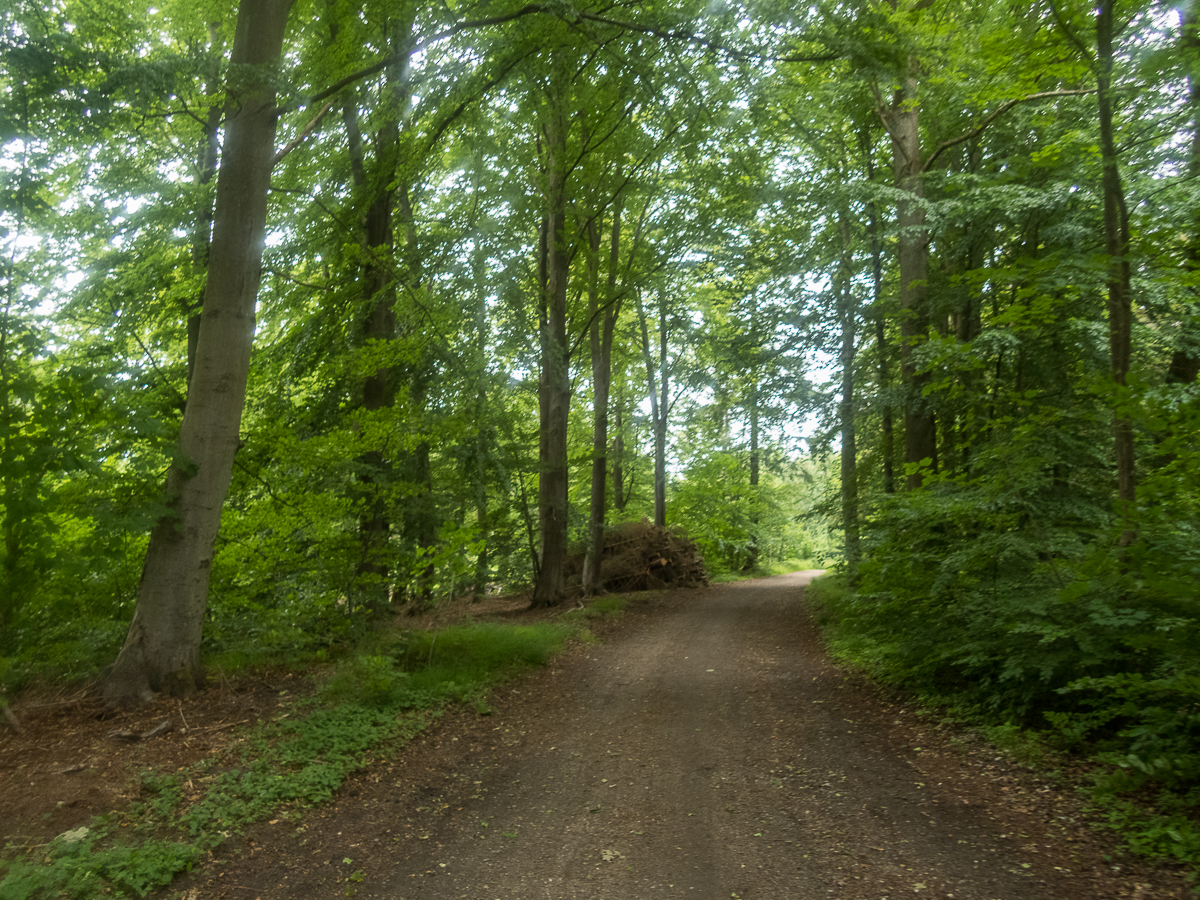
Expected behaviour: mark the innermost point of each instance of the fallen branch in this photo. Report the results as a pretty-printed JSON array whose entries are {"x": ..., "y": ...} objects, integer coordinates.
[
  {"x": 133, "y": 737},
  {"x": 220, "y": 727}
]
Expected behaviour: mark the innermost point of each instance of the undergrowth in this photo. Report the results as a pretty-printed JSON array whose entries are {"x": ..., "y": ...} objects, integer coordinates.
[
  {"x": 1140, "y": 733},
  {"x": 373, "y": 702}
]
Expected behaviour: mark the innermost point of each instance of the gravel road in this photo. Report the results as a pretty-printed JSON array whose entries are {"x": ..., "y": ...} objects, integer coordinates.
[
  {"x": 709, "y": 749},
  {"x": 713, "y": 754}
]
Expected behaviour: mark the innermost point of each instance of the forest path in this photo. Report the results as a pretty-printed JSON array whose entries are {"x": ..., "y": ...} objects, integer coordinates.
[{"x": 709, "y": 750}]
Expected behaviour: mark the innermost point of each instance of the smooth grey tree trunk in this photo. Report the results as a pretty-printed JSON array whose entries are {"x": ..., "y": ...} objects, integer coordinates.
[
  {"x": 912, "y": 248},
  {"x": 162, "y": 648},
  {"x": 848, "y": 313},
  {"x": 554, "y": 387},
  {"x": 1116, "y": 246},
  {"x": 207, "y": 156},
  {"x": 603, "y": 325},
  {"x": 657, "y": 386}
]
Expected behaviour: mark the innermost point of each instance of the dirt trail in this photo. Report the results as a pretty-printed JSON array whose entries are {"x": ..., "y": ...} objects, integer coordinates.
[{"x": 710, "y": 751}]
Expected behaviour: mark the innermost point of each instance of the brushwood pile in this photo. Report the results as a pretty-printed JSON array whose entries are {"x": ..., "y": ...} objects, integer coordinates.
[{"x": 639, "y": 556}]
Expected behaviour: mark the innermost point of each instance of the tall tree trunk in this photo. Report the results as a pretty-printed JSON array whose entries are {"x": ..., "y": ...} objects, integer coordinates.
[
  {"x": 206, "y": 171},
  {"x": 162, "y": 648},
  {"x": 755, "y": 551},
  {"x": 657, "y": 384},
  {"x": 848, "y": 314},
  {"x": 482, "y": 432},
  {"x": 1116, "y": 246},
  {"x": 882, "y": 347},
  {"x": 620, "y": 497},
  {"x": 664, "y": 412},
  {"x": 603, "y": 325},
  {"x": 1185, "y": 361},
  {"x": 375, "y": 184},
  {"x": 753, "y": 555},
  {"x": 903, "y": 118},
  {"x": 554, "y": 387}
]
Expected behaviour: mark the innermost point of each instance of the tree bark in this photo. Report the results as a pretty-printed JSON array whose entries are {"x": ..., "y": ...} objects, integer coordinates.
[
  {"x": 1116, "y": 246},
  {"x": 482, "y": 442},
  {"x": 162, "y": 648},
  {"x": 752, "y": 556},
  {"x": 849, "y": 453},
  {"x": 603, "y": 325},
  {"x": 206, "y": 170},
  {"x": 882, "y": 348},
  {"x": 377, "y": 195},
  {"x": 903, "y": 120},
  {"x": 1185, "y": 361},
  {"x": 658, "y": 405},
  {"x": 620, "y": 497},
  {"x": 554, "y": 387}
]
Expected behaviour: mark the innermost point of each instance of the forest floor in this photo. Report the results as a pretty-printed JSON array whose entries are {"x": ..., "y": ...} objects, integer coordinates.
[{"x": 706, "y": 748}]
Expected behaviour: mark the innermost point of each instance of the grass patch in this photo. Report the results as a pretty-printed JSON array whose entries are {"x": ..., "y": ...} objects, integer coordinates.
[
  {"x": 601, "y": 606},
  {"x": 371, "y": 704},
  {"x": 766, "y": 570}
]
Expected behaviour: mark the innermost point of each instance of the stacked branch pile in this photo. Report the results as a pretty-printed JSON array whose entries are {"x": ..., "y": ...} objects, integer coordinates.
[{"x": 639, "y": 556}]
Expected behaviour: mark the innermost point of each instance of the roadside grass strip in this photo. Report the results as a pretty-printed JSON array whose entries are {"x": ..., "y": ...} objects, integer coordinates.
[{"x": 369, "y": 707}]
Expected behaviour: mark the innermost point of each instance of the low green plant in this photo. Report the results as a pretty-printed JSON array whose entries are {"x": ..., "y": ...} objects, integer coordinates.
[
  {"x": 611, "y": 606},
  {"x": 1024, "y": 746},
  {"x": 300, "y": 759},
  {"x": 1157, "y": 834},
  {"x": 600, "y": 606},
  {"x": 457, "y": 662},
  {"x": 93, "y": 867}
]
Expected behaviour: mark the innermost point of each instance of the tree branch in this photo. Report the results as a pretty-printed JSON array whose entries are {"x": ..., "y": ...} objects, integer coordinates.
[
  {"x": 992, "y": 117},
  {"x": 304, "y": 133},
  {"x": 552, "y": 8},
  {"x": 458, "y": 27},
  {"x": 677, "y": 34}
]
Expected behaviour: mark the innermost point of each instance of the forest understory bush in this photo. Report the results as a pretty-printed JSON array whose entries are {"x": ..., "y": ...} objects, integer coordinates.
[{"x": 1045, "y": 638}]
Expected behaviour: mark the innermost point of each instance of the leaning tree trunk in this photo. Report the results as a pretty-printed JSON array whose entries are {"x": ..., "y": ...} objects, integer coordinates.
[
  {"x": 162, "y": 649},
  {"x": 554, "y": 387},
  {"x": 206, "y": 169}
]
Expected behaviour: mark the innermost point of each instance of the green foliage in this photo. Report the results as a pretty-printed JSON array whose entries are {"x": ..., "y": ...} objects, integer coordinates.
[
  {"x": 89, "y": 868},
  {"x": 598, "y": 607},
  {"x": 715, "y": 505},
  {"x": 1171, "y": 835},
  {"x": 1009, "y": 598},
  {"x": 462, "y": 662},
  {"x": 297, "y": 760}
]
